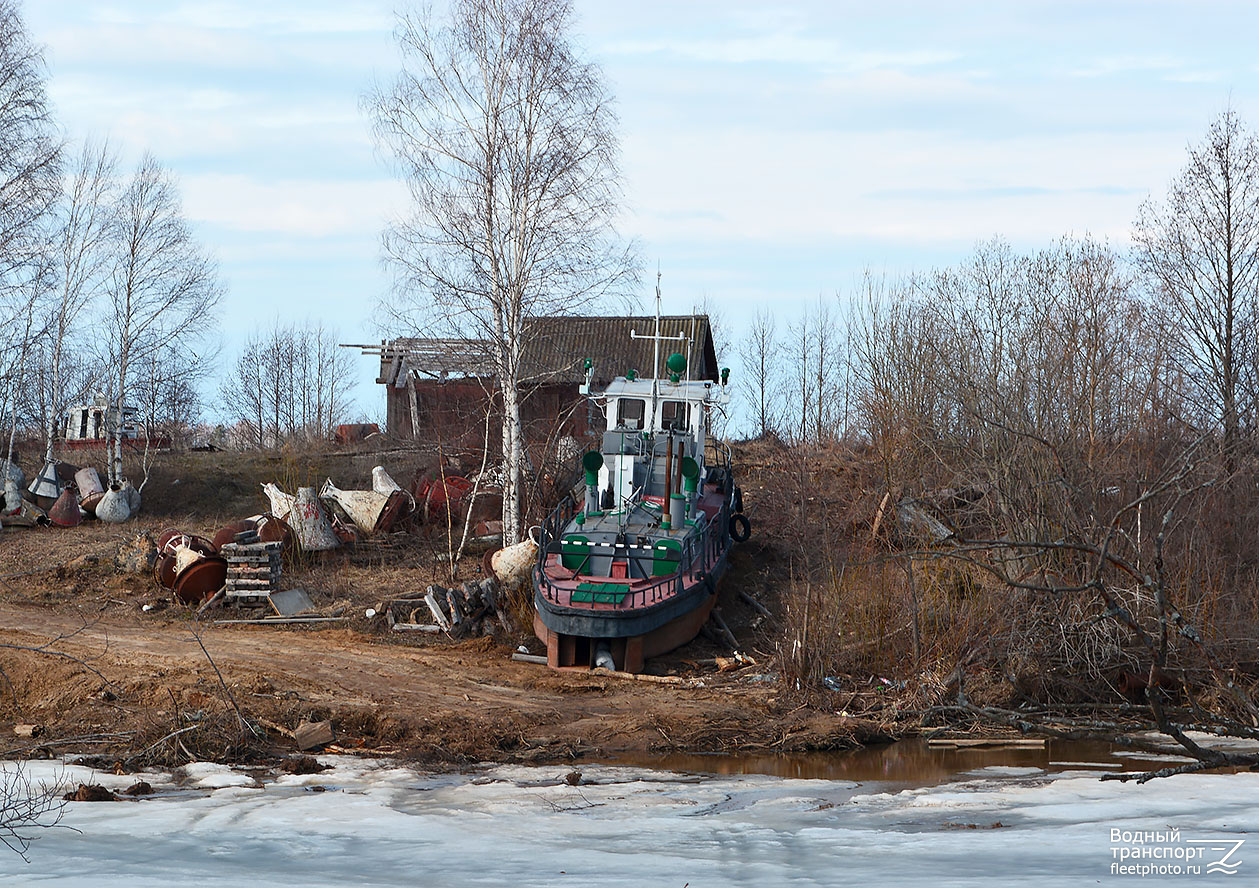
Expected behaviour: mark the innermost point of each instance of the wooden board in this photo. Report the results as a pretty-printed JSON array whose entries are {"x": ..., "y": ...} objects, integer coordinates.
[
  {"x": 313, "y": 734},
  {"x": 279, "y": 621},
  {"x": 988, "y": 743}
]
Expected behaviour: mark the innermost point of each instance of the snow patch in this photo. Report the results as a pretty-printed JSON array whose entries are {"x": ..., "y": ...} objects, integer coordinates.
[{"x": 380, "y": 824}]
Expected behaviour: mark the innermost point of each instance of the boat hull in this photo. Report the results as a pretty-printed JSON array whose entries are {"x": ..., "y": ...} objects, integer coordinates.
[{"x": 572, "y": 635}]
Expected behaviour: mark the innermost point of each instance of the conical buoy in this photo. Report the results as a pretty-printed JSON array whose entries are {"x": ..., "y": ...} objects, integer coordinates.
[
  {"x": 363, "y": 507},
  {"x": 310, "y": 522},
  {"x": 113, "y": 507},
  {"x": 12, "y": 496},
  {"x": 65, "y": 511},
  {"x": 382, "y": 482},
  {"x": 46, "y": 484}
]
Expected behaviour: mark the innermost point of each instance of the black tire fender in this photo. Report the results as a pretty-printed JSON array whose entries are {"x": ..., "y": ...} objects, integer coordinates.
[{"x": 740, "y": 527}]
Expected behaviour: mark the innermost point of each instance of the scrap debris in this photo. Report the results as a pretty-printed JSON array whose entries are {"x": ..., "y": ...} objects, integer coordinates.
[
  {"x": 63, "y": 495},
  {"x": 467, "y": 610},
  {"x": 242, "y": 566}
]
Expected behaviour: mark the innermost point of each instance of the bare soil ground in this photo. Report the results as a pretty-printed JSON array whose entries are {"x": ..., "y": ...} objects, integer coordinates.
[{"x": 85, "y": 661}]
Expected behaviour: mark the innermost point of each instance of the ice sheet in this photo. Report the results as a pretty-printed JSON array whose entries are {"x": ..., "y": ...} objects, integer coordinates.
[{"x": 376, "y": 823}]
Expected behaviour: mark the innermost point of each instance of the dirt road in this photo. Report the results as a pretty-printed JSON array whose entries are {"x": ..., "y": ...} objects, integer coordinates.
[
  {"x": 432, "y": 700},
  {"x": 425, "y": 697}
]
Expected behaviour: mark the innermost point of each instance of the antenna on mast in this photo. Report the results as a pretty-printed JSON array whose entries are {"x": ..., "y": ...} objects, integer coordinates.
[
  {"x": 656, "y": 338},
  {"x": 656, "y": 365}
]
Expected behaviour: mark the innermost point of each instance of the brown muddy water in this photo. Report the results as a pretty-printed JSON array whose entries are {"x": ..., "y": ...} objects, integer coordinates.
[{"x": 908, "y": 762}]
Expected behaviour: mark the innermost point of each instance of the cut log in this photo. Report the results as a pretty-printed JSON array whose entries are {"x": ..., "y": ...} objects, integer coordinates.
[
  {"x": 489, "y": 593},
  {"x": 760, "y": 608},
  {"x": 314, "y": 734},
  {"x": 725, "y": 630},
  {"x": 235, "y": 583},
  {"x": 456, "y": 613},
  {"x": 267, "y": 723},
  {"x": 278, "y": 621},
  {"x": 673, "y": 680},
  {"x": 529, "y": 658}
]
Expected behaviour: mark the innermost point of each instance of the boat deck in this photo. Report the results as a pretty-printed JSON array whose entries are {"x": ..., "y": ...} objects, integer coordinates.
[{"x": 619, "y": 562}]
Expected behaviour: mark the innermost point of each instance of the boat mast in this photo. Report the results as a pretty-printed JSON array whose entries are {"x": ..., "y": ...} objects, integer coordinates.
[{"x": 655, "y": 374}]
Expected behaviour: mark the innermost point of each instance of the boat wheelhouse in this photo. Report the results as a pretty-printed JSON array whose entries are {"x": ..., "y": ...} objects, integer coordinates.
[{"x": 628, "y": 567}]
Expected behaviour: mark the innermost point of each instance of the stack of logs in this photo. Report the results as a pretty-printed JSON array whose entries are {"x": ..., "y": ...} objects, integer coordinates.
[{"x": 463, "y": 611}]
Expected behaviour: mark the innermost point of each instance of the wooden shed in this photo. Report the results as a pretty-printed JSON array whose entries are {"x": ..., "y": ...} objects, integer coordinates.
[{"x": 439, "y": 390}]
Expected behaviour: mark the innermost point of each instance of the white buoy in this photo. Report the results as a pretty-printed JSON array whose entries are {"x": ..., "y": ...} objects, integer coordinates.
[
  {"x": 12, "y": 495},
  {"x": 132, "y": 495},
  {"x": 382, "y": 483},
  {"x": 363, "y": 507},
  {"x": 511, "y": 565},
  {"x": 11, "y": 470},
  {"x": 46, "y": 484},
  {"x": 185, "y": 557},
  {"x": 113, "y": 507}
]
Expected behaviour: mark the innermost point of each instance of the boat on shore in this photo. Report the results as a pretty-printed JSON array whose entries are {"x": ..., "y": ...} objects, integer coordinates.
[{"x": 628, "y": 567}]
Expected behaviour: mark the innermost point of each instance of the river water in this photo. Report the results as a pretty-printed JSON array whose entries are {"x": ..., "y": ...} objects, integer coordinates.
[{"x": 905, "y": 815}]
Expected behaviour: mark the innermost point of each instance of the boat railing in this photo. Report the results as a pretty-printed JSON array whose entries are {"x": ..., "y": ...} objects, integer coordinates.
[
  {"x": 717, "y": 453},
  {"x": 699, "y": 553},
  {"x": 553, "y": 526}
]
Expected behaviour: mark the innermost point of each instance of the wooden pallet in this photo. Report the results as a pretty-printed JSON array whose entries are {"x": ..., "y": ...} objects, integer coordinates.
[{"x": 253, "y": 569}]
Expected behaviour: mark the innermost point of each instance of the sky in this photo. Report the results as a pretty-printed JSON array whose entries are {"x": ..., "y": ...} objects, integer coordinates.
[{"x": 772, "y": 153}]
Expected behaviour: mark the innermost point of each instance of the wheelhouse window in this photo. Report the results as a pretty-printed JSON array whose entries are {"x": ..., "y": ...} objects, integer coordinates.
[
  {"x": 630, "y": 413},
  {"x": 675, "y": 415}
]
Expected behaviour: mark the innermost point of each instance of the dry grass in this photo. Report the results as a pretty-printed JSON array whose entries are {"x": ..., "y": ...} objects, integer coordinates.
[{"x": 855, "y": 605}]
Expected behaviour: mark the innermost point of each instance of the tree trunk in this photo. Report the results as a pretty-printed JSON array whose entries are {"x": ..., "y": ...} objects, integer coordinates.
[
  {"x": 115, "y": 462},
  {"x": 513, "y": 457}
]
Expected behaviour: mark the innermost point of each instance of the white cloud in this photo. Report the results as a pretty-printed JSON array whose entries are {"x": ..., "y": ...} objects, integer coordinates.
[
  {"x": 300, "y": 208},
  {"x": 174, "y": 122},
  {"x": 810, "y": 187},
  {"x": 785, "y": 48},
  {"x": 153, "y": 45},
  {"x": 1170, "y": 67},
  {"x": 300, "y": 18},
  {"x": 222, "y": 37}
]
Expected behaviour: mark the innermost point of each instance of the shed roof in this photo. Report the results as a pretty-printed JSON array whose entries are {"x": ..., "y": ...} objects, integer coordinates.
[{"x": 556, "y": 349}]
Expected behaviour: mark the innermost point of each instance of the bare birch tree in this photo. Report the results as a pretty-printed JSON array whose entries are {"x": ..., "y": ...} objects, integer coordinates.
[
  {"x": 161, "y": 286},
  {"x": 292, "y": 383},
  {"x": 84, "y": 224},
  {"x": 29, "y": 152},
  {"x": 29, "y": 159},
  {"x": 759, "y": 356},
  {"x": 1201, "y": 251},
  {"x": 506, "y": 138}
]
